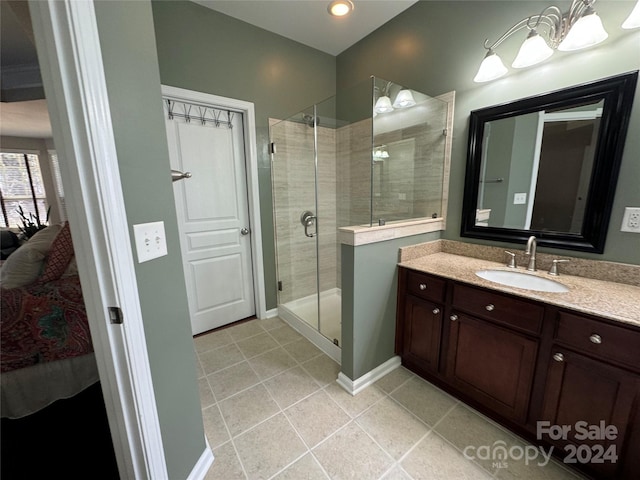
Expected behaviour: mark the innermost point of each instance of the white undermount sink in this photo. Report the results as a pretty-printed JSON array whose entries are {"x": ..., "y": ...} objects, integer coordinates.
[{"x": 522, "y": 280}]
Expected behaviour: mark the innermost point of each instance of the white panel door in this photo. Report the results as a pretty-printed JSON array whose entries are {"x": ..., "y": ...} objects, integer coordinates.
[{"x": 213, "y": 219}]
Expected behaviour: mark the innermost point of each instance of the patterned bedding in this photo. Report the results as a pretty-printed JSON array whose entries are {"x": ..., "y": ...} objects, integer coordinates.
[{"x": 43, "y": 322}]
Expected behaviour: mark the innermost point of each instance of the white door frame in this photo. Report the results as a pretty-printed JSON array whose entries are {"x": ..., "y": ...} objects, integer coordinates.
[
  {"x": 72, "y": 71},
  {"x": 251, "y": 159}
]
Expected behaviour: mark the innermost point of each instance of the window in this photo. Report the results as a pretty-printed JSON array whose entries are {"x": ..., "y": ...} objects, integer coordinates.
[{"x": 21, "y": 185}]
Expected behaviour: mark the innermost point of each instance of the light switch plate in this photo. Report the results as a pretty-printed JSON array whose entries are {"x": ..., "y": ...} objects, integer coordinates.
[
  {"x": 150, "y": 241},
  {"x": 519, "y": 198}
]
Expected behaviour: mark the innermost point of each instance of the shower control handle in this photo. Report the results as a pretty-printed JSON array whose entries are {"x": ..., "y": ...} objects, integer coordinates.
[{"x": 308, "y": 219}]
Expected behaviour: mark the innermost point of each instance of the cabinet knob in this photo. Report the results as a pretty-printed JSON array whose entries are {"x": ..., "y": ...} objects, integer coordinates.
[
  {"x": 490, "y": 307},
  {"x": 595, "y": 338},
  {"x": 558, "y": 357},
  {"x": 453, "y": 317},
  {"x": 422, "y": 286},
  {"x": 436, "y": 311}
]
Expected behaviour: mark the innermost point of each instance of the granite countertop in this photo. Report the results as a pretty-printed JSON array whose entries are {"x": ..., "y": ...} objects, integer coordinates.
[{"x": 611, "y": 300}]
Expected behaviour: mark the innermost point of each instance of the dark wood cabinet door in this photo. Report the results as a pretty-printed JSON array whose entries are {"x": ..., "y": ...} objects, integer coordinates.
[
  {"x": 581, "y": 389},
  {"x": 421, "y": 333},
  {"x": 491, "y": 364}
]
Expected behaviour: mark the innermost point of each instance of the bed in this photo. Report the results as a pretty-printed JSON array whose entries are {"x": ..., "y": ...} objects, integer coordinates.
[{"x": 46, "y": 351}]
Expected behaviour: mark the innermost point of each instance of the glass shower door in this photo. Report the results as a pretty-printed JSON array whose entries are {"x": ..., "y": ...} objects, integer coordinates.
[{"x": 295, "y": 215}]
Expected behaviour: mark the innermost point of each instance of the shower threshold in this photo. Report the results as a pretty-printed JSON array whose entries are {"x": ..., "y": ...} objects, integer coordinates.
[{"x": 302, "y": 315}]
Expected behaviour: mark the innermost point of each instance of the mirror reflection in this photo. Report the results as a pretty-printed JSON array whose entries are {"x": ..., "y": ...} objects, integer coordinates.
[
  {"x": 548, "y": 165},
  {"x": 536, "y": 169},
  {"x": 408, "y": 154}
]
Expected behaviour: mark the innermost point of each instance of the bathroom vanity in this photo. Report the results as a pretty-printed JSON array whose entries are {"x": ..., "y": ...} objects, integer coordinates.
[{"x": 522, "y": 357}]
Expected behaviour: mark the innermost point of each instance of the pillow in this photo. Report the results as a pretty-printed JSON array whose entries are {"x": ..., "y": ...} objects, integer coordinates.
[
  {"x": 59, "y": 255},
  {"x": 72, "y": 268},
  {"x": 22, "y": 268},
  {"x": 43, "y": 239}
]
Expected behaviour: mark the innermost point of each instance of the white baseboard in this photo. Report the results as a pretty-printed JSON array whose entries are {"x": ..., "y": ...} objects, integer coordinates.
[
  {"x": 202, "y": 466},
  {"x": 271, "y": 313},
  {"x": 355, "y": 386}
]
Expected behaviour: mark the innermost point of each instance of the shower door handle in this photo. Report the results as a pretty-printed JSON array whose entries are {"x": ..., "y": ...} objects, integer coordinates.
[{"x": 307, "y": 219}]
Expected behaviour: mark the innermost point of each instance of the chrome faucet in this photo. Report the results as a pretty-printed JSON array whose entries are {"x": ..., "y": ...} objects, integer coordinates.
[{"x": 531, "y": 251}]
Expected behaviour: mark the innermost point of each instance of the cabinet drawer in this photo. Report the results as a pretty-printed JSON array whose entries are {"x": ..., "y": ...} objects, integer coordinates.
[
  {"x": 606, "y": 341},
  {"x": 500, "y": 308},
  {"x": 425, "y": 286}
]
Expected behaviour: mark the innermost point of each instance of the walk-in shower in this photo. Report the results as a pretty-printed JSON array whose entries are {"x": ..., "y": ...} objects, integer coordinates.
[{"x": 338, "y": 164}]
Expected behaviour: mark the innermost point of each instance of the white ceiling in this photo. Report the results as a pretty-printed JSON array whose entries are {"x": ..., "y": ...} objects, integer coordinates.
[{"x": 308, "y": 22}]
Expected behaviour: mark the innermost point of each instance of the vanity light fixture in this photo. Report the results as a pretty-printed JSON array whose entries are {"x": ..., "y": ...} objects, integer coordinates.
[
  {"x": 404, "y": 99},
  {"x": 340, "y": 8},
  {"x": 633, "y": 20},
  {"x": 380, "y": 153},
  {"x": 579, "y": 27},
  {"x": 490, "y": 68},
  {"x": 383, "y": 103}
]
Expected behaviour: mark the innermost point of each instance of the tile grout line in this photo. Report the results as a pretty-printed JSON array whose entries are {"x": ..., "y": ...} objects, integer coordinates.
[
  {"x": 491, "y": 474},
  {"x": 323, "y": 387},
  {"x": 281, "y": 409},
  {"x": 233, "y": 444}
]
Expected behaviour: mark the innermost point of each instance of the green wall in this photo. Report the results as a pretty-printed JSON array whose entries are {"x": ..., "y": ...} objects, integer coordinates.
[
  {"x": 524, "y": 144},
  {"x": 500, "y": 148},
  {"x": 369, "y": 291},
  {"x": 133, "y": 83},
  {"x": 434, "y": 47},
  {"x": 203, "y": 50}
]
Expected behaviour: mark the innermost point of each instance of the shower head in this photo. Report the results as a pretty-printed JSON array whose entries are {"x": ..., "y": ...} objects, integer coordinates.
[{"x": 309, "y": 120}]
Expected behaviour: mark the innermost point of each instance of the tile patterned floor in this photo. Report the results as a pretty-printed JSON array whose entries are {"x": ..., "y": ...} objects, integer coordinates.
[{"x": 272, "y": 410}]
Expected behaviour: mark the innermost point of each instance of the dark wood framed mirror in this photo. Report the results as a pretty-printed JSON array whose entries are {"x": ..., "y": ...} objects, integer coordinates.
[{"x": 548, "y": 165}]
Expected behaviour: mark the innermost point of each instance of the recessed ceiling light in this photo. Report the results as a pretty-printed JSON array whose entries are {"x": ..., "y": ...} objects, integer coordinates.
[{"x": 340, "y": 8}]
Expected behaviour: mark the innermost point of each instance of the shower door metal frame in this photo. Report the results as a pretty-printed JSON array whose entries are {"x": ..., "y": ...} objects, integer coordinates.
[
  {"x": 314, "y": 125},
  {"x": 324, "y": 343}
]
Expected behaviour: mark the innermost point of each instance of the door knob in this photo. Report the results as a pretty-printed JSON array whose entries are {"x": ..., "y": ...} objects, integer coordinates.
[
  {"x": 178, "y": 175},
  {"x": 245, "y": 231},
  {"x": 307, "y": 219}
]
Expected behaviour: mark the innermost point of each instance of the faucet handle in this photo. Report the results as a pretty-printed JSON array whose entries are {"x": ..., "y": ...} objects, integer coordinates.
[
  {"x": 554, "y": 267},
  {"x": 512, "y": 259}
]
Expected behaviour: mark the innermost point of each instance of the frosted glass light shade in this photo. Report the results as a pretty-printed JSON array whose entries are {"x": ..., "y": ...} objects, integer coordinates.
[
  {"x": 383, "y": 105},
  {"x": 586, "y": 32},
  {"x": 533, "y": 50},
  {"x": 490, "y": 68},
  {"x": 404, "y": 99},
  {"x": 633, "y": 20}
]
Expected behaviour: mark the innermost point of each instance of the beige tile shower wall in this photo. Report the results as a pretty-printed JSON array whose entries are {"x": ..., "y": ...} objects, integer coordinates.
[
  {"x": 412, "y": 187},
  {"x": 327, "y": 209},
  {"x": 354, "y": 173},
  {"x": 353, "y": 169},
  {"x": 294, "y": 192}
]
